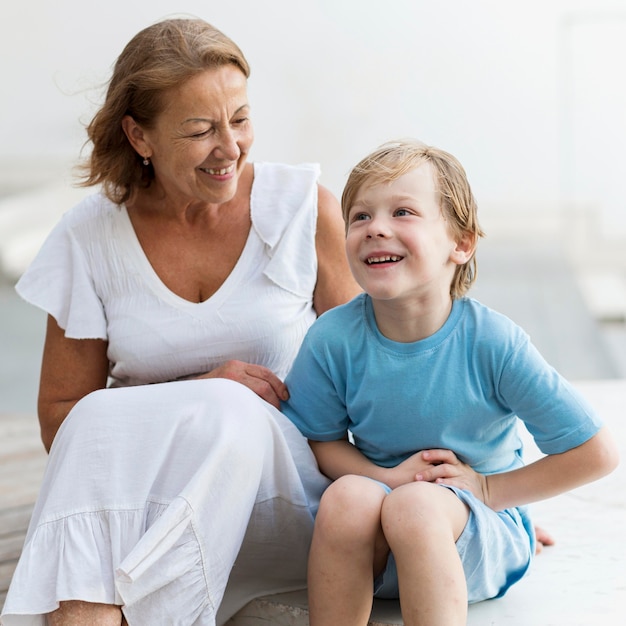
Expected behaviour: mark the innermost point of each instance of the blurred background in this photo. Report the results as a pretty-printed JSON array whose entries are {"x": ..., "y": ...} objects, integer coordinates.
[{"x": 530, "y": 96}]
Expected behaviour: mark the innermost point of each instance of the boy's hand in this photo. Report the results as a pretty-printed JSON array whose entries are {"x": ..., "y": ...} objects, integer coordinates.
[
  {"x": 421, "y": 463},
  {"x": 446, "y": 469}
]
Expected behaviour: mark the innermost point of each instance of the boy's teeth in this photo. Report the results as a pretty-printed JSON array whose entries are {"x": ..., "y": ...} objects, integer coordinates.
[{"x": 383, "y": 259}]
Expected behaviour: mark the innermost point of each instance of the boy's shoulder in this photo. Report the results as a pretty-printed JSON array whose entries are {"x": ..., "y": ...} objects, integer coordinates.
[
  {"x": 480, "y": 318},
  {"x": 348, "y": 310},
  {"x": 340, "y": 318},
  {"x": 485, "y": 321}
]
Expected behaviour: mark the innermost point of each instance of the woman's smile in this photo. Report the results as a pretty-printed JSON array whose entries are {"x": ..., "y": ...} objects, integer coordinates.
[{"x": 223, "y": 171}]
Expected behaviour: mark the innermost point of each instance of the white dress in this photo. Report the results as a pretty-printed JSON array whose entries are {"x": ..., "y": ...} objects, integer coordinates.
[{"x": 155, "y": 484}]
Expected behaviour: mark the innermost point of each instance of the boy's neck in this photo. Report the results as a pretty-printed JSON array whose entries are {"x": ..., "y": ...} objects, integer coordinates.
[{"x": 409, "y": 321}]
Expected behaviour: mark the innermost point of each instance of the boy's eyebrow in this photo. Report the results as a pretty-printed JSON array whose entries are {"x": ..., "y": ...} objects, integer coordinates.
[
  {"x": 403, "y": 196},
  {"x": 363, "y": 203}
]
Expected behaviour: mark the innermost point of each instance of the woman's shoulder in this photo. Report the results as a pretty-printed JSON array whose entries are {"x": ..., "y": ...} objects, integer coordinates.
[
  {"x": 93, "y": 208},
  {"x": 284, "y": 200},
  {"x": 283, "y": 187},
  {"x": 280, "y": 174}
]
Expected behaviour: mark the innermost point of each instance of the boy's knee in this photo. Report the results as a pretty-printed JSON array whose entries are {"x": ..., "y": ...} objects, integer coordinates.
[
  {"x": 413, "y": 504},
  {"x": 351, "y": 503},
  {"x": 353, "y": 493},
  {"x": 418, "y": 493},
  {"x": 421, "y": 510}
]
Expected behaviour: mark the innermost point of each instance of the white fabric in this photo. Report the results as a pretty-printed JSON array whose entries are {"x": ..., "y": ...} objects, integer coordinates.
[
  {"x": 93, "y": 277},
  {"x": 151, "y": 490}
]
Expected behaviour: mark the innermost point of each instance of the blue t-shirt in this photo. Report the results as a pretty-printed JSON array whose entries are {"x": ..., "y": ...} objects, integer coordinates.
[{"x": 463, "y": 389}]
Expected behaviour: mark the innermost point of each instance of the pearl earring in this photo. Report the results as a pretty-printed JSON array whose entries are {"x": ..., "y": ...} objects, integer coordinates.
[{"x": 146, "y": 161}]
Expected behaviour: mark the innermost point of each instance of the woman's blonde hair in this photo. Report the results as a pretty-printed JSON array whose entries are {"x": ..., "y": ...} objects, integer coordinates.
[
  {"x": 157, "y": 59},
  {"x": 394, "y": 159}
]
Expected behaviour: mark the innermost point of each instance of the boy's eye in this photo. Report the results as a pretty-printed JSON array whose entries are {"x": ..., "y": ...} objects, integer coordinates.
[
  {"x": 402, "y": 212},
  {"x": 360, "y": 217}
]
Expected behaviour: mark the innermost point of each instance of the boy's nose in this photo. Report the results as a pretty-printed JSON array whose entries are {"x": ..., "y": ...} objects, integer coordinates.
[{"x": 377, "y": 228}]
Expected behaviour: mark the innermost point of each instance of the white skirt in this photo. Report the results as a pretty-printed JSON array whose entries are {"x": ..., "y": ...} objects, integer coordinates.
[{"x": 155, "y": 497}]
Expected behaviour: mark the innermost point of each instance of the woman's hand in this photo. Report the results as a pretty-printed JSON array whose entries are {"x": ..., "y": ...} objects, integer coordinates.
[{"x": 259, "y": 379}]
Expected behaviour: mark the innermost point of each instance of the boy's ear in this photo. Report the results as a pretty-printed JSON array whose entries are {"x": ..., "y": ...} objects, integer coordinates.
[{"x": 464, "y": 249}]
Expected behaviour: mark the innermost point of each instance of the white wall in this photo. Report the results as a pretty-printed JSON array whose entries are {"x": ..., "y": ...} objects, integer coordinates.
[{"x": 331, "y": 79}]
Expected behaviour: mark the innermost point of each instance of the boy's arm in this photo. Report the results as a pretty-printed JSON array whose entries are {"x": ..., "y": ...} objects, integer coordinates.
[
  {"x": 338, "y": 458},
  {"x": 545, "y": 478},
  {"x": 553, "y": 474}
]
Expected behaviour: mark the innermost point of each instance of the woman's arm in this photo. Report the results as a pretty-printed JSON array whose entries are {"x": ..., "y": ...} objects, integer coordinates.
[
  {"x": 335, "y": 284},
  {"x": 70, "y": 369}
]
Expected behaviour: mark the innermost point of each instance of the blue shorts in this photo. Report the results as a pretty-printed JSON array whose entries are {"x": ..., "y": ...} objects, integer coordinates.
[{"x": 496, "y": 549}]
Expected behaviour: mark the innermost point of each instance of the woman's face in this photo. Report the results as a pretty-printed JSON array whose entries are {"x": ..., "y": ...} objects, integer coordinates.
[{"x": 200, "y": 142}]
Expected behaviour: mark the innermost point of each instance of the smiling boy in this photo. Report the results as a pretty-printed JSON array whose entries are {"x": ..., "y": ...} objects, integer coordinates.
[{"x": 428, "y": 503}]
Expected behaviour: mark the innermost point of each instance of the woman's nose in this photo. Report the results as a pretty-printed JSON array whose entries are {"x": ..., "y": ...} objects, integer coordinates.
[{"x": 228, "y": 146}]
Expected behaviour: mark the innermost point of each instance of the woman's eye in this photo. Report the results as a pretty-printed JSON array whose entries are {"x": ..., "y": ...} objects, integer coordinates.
[{"x": 240, "y": 121}]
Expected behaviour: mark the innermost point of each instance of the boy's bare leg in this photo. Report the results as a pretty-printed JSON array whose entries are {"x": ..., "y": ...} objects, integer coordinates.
[
  {"x": 347, "y": 547},
  {"x": 422, "y": 522},
  {"x": 78, "y": 613}
]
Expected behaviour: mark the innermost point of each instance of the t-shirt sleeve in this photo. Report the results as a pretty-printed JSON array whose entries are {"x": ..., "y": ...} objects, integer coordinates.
[
  {"x": 555, "y": 413},
  {"x": 316, "y": 402},
  {"x": 59, "y": 282}
]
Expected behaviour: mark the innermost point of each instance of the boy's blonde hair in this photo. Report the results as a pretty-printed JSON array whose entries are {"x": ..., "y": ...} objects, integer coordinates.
[{"x": 394, "y": 159}]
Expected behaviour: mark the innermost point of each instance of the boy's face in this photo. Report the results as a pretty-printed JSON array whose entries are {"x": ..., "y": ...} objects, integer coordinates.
[{"x": 398, "y": 243}]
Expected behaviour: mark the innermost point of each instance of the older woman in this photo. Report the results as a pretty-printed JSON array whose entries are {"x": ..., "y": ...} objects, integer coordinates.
[{"x": 177, "y": 298}]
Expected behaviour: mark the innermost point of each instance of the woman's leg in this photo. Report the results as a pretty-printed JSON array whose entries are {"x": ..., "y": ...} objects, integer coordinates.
[
  {"x": 422, "y": 522},
  {"x": 77, "y": 613},
  {"x": 347, "y": 548},
  {"x": 164, "y": 481}
]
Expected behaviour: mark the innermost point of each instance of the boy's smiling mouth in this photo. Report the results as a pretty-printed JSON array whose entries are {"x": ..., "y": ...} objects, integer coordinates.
[{"x": 377, "y": 260}]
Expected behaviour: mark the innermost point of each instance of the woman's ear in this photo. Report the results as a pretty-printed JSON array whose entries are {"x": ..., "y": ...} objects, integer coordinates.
[
  {"x": 464, "y": 249},
  {"x": 135, "y": 136}
]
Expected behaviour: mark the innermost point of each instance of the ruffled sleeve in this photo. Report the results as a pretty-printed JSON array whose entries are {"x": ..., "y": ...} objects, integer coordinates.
[
  {"x": 284, "y": 214},
  {"x": 60, "y": 281}
]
